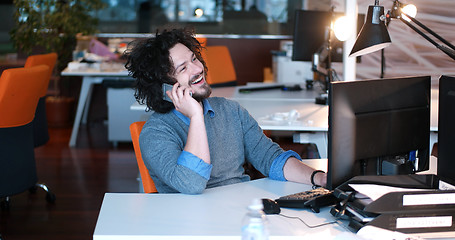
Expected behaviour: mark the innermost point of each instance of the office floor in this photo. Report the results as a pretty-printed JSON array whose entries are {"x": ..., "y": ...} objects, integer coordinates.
[{"x": 79, "y": 177}]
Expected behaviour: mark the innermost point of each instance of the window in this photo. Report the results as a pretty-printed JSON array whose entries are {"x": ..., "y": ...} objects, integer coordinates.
[{"x": 249, "y": 17}]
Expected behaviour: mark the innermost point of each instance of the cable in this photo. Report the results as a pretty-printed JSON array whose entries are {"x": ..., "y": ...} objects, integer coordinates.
[
  {"x": 315, "y": 226},
  {"x": 335, "y": 76}
]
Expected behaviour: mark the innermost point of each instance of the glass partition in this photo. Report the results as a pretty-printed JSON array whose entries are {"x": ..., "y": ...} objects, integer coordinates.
[{"x": 246, "y": 17}]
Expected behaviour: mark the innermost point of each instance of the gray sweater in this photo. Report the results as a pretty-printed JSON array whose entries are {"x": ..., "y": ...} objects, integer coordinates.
[{"x": 234, "y": 137}]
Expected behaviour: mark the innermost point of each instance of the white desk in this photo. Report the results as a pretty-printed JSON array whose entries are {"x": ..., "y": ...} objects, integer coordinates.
[
  {"x": 215, "y": 214},
  {"x": 262, "y": 105},
  {"x": 89, "y": 78}
]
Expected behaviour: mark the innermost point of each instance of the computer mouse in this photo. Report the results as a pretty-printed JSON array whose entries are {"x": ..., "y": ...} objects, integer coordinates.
[{"x": 270, "y": 206}]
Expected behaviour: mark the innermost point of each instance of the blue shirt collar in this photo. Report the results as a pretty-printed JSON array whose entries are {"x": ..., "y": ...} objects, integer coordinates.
[{"x": 207, "y": 110}]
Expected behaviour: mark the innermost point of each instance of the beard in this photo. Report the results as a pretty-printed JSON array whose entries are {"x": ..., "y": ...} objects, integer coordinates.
[{"x": 205, "y": 93}]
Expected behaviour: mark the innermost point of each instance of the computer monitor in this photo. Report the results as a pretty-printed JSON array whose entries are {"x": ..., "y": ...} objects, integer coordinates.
[
  {"x": 446, "y": 129},
  {"x": 310, "y": 34},
  {"x": 378, "y": 127}
]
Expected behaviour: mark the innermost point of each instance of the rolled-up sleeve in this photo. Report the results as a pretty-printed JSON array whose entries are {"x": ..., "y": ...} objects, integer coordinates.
[
  {"x": 276, "y": 169},
  {"x": 194, "y": 163}
]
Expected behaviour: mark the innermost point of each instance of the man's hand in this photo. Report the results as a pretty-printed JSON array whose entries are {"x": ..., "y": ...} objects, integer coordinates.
[{"x": 184, "y": 102}]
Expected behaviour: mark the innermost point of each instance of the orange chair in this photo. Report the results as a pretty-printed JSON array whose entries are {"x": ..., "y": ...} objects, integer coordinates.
[
  {"x": 41, "y": 133},
  {"x": 221, "y": 70},
  {"x": 18, "y": 100},
  {"x": 147, "y": 181},
  {"x": 202, "y": 41}
]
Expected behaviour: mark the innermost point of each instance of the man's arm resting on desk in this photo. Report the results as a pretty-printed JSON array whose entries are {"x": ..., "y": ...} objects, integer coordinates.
[{"x": 297, "y": 171}]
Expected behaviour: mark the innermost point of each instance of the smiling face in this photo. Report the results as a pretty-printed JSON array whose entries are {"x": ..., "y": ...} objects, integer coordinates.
[{"x": 189, "y": 71}]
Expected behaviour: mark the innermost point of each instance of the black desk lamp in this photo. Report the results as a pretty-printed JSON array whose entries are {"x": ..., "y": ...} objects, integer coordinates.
[
  {"x": 374, "y": 35},
  {"x": 324, "y": 54}
]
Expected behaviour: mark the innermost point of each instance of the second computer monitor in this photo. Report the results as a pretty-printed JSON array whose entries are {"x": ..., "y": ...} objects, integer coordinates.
[
  {"x": 446, "y": 129},
  {"x": 311, "y": 32},
  {"x": 378, "y": 127}
]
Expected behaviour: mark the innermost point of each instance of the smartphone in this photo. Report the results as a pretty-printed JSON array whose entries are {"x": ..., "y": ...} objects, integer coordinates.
[{"x": 166, "y": 87}]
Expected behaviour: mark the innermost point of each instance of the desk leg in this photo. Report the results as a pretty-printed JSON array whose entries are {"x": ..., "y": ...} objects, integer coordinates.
[
  {"x": 318, "y": 138},
  {"x": 86, "y": 107},
  {"x": 87, "y": 85}
]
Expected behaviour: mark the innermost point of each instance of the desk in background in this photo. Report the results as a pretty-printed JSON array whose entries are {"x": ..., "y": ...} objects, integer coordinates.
[
  {"x": 312, "y": 123},
  {"x": 91, "y": 77}
]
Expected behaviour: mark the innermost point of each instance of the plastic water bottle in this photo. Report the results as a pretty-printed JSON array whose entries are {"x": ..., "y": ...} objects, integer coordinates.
[{"x": 254, "y": 225}]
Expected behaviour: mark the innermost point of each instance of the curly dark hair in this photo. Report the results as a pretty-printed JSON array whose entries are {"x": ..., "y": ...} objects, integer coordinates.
[{"x": 149, "y": 63}]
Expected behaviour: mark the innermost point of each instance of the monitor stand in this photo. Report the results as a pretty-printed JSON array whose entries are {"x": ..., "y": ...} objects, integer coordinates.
[
  {"x": 322, "y": 99},
  {"x": 324, "y": 79}
]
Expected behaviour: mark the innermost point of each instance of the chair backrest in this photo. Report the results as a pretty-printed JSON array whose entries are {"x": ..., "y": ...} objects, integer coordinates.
[
  {"x": 202, "y": 40},
  {"x": 48, "y": 59},
  {"x": 220, "y": 67},
  {"x": 19, "y": 96},
  {"x": 147, "y": 181}
]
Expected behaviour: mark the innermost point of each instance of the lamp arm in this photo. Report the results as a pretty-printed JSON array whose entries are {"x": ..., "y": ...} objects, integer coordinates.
[
  {"x": 450, "y": 52},
  {"x": 430, "y": 31}
]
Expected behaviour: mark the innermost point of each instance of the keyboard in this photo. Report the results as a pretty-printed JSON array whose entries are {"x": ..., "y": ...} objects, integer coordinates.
[
  {"x": 259, "y": 88},
  {"x": 313, "y": 199},
  {"x": 295, "y": 87}
]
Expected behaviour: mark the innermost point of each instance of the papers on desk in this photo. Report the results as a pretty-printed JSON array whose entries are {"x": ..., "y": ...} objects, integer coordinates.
[
  {"x": 290, "y": 118},
  {"x": 374, "y": 191},
  {"x": 96, "y": 67}
]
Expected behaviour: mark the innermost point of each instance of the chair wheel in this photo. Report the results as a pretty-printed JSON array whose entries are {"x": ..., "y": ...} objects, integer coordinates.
[{"x": 50, "y": 197}]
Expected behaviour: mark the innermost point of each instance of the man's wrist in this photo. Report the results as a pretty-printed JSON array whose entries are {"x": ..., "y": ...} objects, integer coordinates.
[{"x": 313, "y": 174}]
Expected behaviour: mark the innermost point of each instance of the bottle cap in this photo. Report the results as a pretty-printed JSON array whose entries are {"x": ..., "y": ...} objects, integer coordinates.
[{"x": 256, "y": 204}]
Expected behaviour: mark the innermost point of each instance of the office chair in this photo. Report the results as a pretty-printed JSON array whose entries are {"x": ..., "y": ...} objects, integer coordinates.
[
  {"x": 40, "y": 128},
  {"x": 147, "y": 181},
  {"x": 202, "y": 41},
  {"x": 221, "y": 71},
  {"x": 18, "y": 100}
]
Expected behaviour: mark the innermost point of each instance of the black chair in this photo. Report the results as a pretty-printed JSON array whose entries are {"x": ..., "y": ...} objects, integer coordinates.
[
  {"x": 18, "y": 100},
  {"x": 40, "y": 128}
]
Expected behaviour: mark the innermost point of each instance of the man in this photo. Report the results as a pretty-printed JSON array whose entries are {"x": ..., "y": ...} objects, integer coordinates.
[{"x": 198, "y": 142}]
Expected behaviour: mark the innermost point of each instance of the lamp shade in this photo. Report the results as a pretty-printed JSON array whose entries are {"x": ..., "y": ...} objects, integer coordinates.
[{"x": 374, "y": 35}]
